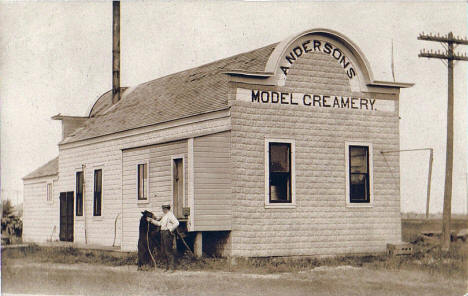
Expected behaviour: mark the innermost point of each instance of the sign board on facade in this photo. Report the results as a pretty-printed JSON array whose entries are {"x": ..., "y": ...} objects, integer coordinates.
[{"x": 257, "y": 96}]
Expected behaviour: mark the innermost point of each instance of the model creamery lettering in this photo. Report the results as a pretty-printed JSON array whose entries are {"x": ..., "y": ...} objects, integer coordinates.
[{"x": 314, "y": 100}]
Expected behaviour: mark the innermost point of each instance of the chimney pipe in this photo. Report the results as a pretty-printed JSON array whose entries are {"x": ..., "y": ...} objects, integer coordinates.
[{"x": 115, "y": 51}]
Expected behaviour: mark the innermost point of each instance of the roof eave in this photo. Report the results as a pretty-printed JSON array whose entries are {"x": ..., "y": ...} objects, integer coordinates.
[
  {"x": 249, "y": 74},
  {"x": 378, "y": 83},
  {"x": 61, "y": 117},
  {"x": 69, "y": 140},
  {"x": 37, "y": 177}
]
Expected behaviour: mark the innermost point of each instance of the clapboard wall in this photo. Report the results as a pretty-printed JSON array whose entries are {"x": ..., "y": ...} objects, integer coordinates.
[
  {"x": 106, "y": 153},
  {"x": 40, "y": 216},
  {"x": 212, "y": 182},
  {"x": 159, "y": 159}
]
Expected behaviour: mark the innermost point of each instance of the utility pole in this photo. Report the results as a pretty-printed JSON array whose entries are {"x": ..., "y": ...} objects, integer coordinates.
[{"x": 449, "y": 56}]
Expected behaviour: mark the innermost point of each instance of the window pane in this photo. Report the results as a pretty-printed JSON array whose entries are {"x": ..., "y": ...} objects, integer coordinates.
[
  {"x": 97, "y": 192},
  {"x": 142, "y": 181},
  {"x": 359, "y": 187},
  {"x": 79, "y": 194},
  {"x": 280, "y": 187},
  {"x": 359, "y": 174},
  {"x": 279, "y": 157},
  {"x": 358, "y": 157},
  {"x": 98, "y": 180},
  {"x": 79, "y": 182}
]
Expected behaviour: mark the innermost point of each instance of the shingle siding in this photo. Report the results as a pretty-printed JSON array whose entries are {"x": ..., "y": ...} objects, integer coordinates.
[
  {"x": 317, "y": 71},
  {"x": 321, "y": 224}
]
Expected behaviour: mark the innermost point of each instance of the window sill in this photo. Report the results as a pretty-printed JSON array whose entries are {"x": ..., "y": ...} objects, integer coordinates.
[
  {"x": 97, "y": 218},
  {"x": 143, "y": 202},
  {"x": 280, "y": 206},
  {"x": 359, "y": 205}
]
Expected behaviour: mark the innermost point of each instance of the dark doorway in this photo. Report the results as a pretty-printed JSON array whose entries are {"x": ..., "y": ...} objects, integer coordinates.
[{"x": 66, "y": 216}]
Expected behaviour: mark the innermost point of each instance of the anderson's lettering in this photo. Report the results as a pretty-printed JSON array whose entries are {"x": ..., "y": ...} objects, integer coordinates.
[{"x": 318, "y": 46}]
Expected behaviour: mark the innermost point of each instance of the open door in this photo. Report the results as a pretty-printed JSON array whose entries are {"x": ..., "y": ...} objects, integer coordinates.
[
  {"x": 66, "y": 216},
  {"x": 178, "y": 187}
]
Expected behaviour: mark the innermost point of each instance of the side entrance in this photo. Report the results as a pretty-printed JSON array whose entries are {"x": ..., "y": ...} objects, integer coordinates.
[{"x": 66, "y": 216}]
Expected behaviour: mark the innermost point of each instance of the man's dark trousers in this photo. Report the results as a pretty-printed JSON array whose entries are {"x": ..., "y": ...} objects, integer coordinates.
[{"x": 167, "y": 252}]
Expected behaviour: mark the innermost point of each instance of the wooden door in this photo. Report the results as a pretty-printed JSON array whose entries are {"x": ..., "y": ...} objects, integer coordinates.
[
  {"x": 66, "y": 216},
  {"x": 178, "y": 187}
]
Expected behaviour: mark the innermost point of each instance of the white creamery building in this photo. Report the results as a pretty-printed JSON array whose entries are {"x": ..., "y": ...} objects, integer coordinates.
[{"x": 273, "y": 152}]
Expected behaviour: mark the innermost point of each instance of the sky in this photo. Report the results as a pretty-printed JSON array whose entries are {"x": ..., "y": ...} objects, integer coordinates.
[{"x": 56, "y": 57}]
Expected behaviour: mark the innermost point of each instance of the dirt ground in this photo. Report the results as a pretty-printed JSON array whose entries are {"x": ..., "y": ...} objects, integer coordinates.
[
  {"x": 20, "y": 276},
  {"x": 68, "y": 270}
]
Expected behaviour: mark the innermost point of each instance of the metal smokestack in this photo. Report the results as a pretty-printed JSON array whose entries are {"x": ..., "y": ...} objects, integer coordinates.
[{"x": 115, "y": 52}]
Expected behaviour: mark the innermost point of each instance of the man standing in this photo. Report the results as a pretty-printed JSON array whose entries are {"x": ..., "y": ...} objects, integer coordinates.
[{"x": 168, "y": 224}]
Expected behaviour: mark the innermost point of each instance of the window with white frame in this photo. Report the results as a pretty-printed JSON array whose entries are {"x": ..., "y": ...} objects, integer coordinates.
[
  {"x": 359, "y": 173},
  {"x": 142, "y": 179},
  {"x": 49, "y": 192},
  {"x": 279, "y": 173}
]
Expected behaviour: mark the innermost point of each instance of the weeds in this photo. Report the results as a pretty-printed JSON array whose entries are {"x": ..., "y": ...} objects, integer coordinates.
[
  {"x": 427, "y": 256},
  {"x": 68, "y": 255}
]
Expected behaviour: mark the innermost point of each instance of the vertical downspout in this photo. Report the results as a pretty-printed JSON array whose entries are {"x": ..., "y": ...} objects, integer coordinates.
[
  {"x": 84, "y": 202},
  {"x": 122, "y": 203},
  {"x": 429, "y": 178}
]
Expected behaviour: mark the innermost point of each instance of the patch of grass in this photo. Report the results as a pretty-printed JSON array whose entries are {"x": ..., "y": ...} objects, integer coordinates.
[
  {"x": 284, "y": 264},
  {"x": 427, "y": 256},
  {"x": 68, "y": 255}
]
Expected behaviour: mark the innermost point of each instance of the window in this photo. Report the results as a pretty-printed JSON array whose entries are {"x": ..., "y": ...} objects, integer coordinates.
[
  {"x": 359, "y": 173},
  {"x": 49, "y": 192},
  {"x": 79, "y": 193},
  {"x": 279, "y": 177},
  {"x": 97, "y": 192},
  {"x": 143, "y": 181}
]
